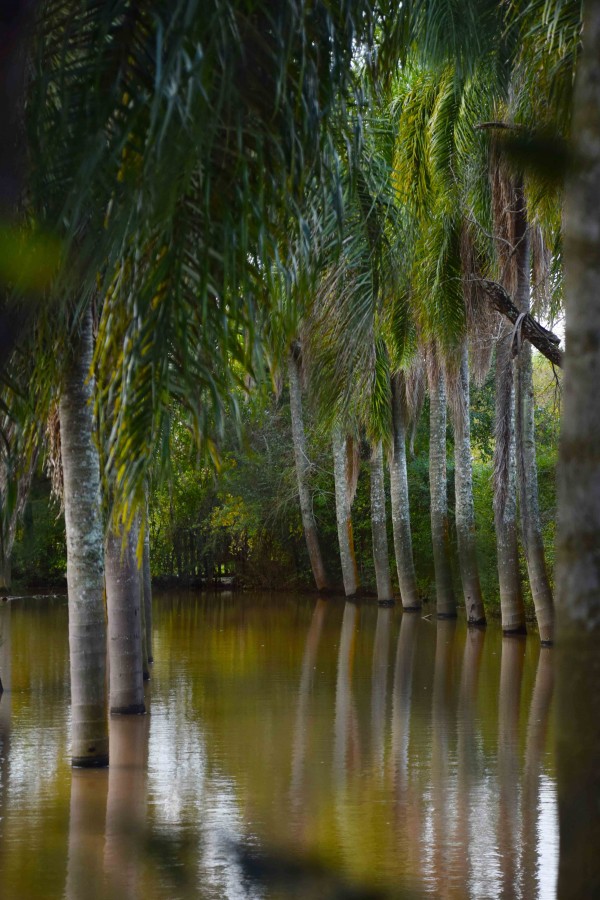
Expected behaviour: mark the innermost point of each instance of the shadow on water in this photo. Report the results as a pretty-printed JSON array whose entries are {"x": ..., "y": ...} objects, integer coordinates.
[{"x": 292, "y": 749}]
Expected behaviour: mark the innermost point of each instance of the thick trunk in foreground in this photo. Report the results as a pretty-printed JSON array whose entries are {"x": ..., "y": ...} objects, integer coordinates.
[
  {"x": 465, "y": 512},
  {"x": 85, "y": 560},
  {"x": 381, "y": 557},
  {"x": 445, "y": 599},
  {"x": 302, "y": 474},
  {"x": 505, "y": 500},
  {"x": 405, "y": 566},
  {"x": 123, "y": 597},
  {"x": 525, "y": 436},
  {"x": 341, "y": 474},
  {"x": 578, "y": 542}
]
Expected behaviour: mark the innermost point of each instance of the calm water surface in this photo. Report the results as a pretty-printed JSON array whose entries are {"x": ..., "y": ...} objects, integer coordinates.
[{"x": 293, "y": 748}]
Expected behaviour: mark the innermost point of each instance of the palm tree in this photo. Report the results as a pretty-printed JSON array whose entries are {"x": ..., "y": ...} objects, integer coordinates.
[
  {"x": 438, "y": 487},
  {"x": 303, "y": 468},
  {"x": 125, "y": 623},
  {"x": 85, "y": 557},
  {"x": 505, "y": 500},
  {"x": 345, "y": 472},
  {"x": 400, "y": 505},
  {"x": 463, "y": 489},
  {"x": 381, "y": 558}
]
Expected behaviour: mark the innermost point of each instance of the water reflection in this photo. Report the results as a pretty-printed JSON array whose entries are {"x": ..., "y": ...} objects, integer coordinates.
[{"x": 373, "y": 747}]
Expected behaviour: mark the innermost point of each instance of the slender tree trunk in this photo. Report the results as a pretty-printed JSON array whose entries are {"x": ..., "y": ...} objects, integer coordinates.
[
  {"x": 85, "y": 560},
  {"x": 505, "y": 500},
  {"x": 445, "y": 599},
  {"x": 381, "y": 557},
  {"x": 578, "y": 543},
  {"x": 10, "y": 531},
  {"x": 525, "y": 434},
  {"x": 123, "y": 596},
  {"x": 147, "y": 587},
  {"x": 405, "y": 566},
  {"x": 465, "y": 512},
  {"x": 303, "y": 472},
  {"x": 341, "y": 474}
]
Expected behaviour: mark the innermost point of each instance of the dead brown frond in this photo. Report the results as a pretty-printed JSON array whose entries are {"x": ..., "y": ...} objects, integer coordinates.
[{"x": 541, "y": 261}]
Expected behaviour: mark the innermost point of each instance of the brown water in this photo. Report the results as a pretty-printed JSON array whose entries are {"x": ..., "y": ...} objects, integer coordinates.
[{"x": 294, "y": 748}]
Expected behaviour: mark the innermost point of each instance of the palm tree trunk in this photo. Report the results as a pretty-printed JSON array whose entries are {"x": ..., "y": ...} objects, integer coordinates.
[
  {"x": 525, "y": 436},
  {"x": 302, "y": 473},
  {"x": 123, "y": 596},
  {"x": 405, "y": 566},
  {"x": 445, "y": 599},
  {"x": 85, "y": 559},
  {"x": 147, "y": 587},
  {"x": 381, "y": 557},
  {"x": 578, "y": 543},
  {"x": 10, "y": 529},
  {"x": 465, "y": 512},
  {"x": 505, "y": 500},
  {"x": 341, "y": 474}
]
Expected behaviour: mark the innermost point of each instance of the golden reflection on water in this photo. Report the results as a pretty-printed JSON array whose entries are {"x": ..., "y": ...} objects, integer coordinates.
[{"x": 358, "y": 745}]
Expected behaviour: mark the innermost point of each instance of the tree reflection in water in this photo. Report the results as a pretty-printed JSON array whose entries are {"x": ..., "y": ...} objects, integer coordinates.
[{"x": 294, "y": 749}]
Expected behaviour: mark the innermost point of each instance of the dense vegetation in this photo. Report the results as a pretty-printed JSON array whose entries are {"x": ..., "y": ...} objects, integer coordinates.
[{"x": 244, "y": 521}]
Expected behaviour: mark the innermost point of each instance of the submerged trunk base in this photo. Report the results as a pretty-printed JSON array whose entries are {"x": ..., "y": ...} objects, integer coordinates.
[
  {"x": 519, "y": 631},
  {"x": 135, "y": 709},
  {"x": 90, "y": 762},
  {"x": 386, "y": 603}
]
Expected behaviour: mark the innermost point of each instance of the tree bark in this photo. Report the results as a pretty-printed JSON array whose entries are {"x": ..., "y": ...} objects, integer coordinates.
[
  {"x": 123, "y": 596},
  {"x": 341, "y": 476},
  {"x": 405, "y": 566},
  {"x": 303, "y": 472},
  {"x": 381, "y": 557},
  {"x": 85, "y": 565},
  {"x": 445, "y": 599},
  {"x": 525, "y": 438},
  {"x": 463, "y": 487},
  {"x": 147, "y": 582},
  {"x": 578, "y": 542},
  {"x": 505, "y": 501}
]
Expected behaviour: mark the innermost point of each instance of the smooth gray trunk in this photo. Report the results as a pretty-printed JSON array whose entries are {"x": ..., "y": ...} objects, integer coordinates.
[
  {"x": 303, "y": 474},
  {"x": 145, "y": 661},
  {"x": 465, "y": 512},
  {"x": 85, "y": 559},
  {"x": 440, "y": 533},
  {"x": 147, "y": 582},
  {"x": 525, "y": 440},
  {"x": 578, "y": 542},
  {"x": 123, "y": 596},
  {"x": 405, "y": 566},
  {"x": 341, "y": 474},
  {"x": 381, "y": 557},
  {"x": 505, "y": 500}
]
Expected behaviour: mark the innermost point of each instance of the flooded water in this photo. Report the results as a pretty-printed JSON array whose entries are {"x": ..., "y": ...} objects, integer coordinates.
[{"x": 293, "y": 748}]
